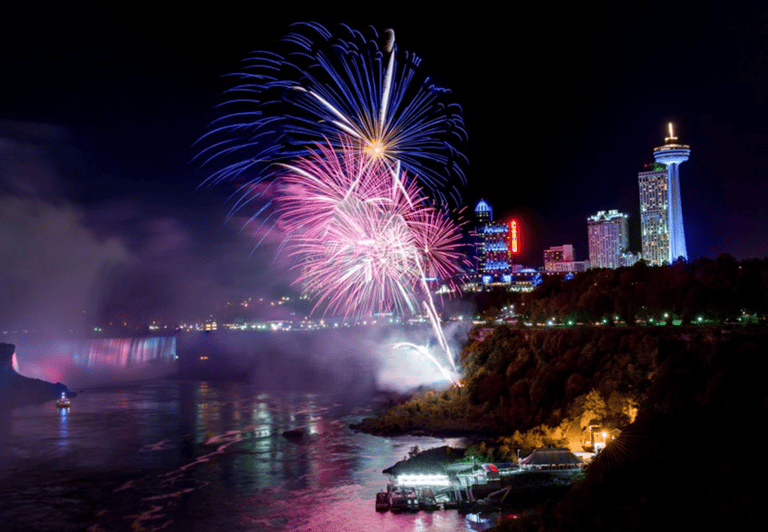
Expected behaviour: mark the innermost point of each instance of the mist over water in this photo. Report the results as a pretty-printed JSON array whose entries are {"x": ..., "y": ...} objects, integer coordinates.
[{"x": 359, "y": 359}]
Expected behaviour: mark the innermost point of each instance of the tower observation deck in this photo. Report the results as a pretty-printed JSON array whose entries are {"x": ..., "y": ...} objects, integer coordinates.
[{"x": 672, "y": 155}]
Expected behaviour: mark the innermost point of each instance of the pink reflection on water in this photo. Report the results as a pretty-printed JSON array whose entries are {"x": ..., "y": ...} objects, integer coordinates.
[
  {"x": 348, "y": 508},
  {"x": 358, "y": 515}
]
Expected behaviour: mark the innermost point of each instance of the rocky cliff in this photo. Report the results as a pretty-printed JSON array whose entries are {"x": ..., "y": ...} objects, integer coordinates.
[{"x": 17, "y": 390}]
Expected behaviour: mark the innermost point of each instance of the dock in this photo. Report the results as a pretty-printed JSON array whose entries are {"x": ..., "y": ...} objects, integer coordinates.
[{"x": 471, "y": 487}]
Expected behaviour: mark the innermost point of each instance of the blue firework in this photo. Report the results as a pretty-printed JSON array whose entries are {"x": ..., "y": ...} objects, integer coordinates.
[{"x": 346, "y": 85}]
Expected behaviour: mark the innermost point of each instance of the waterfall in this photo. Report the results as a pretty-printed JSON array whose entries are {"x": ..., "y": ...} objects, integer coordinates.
[{"x": 94, "y": 361}]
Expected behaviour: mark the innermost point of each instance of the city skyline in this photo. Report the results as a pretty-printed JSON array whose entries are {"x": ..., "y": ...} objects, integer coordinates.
[{"x": 97, "y": 142}]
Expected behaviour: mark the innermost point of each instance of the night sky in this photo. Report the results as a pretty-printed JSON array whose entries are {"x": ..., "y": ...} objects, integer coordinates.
[{"x": 99, "y": 205}]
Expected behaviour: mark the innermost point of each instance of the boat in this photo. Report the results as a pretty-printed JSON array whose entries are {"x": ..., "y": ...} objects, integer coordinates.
[
  {"x": 427, "y": 500},
  {"x": 411, "y": 501},
  {"x": 294, "y": 434},
  {"x": 62, "y": 402},
  {"x": 382, "y": 501},
  {"x": 397, "y": 501},
  {"x": 401, "y": 500}
]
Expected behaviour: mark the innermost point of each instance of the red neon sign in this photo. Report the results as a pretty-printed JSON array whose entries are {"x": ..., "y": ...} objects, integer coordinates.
[{"x": 514, "y": 237}]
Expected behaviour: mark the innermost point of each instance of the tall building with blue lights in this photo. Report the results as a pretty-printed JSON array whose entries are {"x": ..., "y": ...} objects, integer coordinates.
[
  {"x": 493, "y": 255},
  {"x": 661, "y": 213}
]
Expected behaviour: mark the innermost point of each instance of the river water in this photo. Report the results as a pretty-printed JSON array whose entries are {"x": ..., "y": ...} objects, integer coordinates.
[{"x": 198, "y": 455}]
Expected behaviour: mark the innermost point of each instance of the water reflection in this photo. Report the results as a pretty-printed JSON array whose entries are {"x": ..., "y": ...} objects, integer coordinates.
[
  {"x": 209, "y": 456},
  {"x": 63, "y": 436}
]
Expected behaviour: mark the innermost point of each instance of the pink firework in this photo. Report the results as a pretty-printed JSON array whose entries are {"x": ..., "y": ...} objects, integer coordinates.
[
  {"x": 362, "y": 236},
  {"x": 438, "y": 240}
]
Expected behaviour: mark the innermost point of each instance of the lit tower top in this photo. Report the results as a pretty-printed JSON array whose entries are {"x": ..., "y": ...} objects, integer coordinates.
[
  {"x": 483, "y": 212},
  {"x": 671, "y": 152},
  {"x": 672, "y": 155}
]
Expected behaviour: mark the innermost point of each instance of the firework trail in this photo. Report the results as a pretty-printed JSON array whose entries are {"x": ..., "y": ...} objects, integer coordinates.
[
  {"x": 427, "y": 355},
  {"x": 343, "y": 84}
]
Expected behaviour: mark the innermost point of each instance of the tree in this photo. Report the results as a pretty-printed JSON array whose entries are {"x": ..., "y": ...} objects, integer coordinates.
[{"x": 594, "y": 409}]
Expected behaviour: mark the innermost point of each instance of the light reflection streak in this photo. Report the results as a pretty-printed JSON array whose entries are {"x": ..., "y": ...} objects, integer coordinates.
[{"x": 63, "y": 429}]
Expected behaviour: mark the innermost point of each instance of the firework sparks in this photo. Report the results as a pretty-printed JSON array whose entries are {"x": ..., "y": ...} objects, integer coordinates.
[
  {"x": 327, "y": 85},
  {"x": 362, "y": 246},
  {"x": 428, "y": 356}
]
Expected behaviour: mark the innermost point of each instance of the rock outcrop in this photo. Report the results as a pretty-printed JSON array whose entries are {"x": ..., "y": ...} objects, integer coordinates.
[{"x": 17, "y": 390}]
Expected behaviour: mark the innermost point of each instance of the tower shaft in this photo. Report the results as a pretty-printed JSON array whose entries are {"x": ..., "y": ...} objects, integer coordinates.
[{"x": 677, "y": 247}]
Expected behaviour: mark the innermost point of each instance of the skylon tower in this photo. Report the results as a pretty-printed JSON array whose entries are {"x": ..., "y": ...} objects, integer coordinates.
[{"x": 672, "y": 155}]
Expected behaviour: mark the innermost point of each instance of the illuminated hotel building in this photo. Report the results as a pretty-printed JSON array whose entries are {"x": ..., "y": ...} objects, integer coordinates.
[
  {"x": 608, "y": 239},
  {"x": 654, "y": 226},
  {"x": 497, "y": 245},
  {"x": 559, "y": 259},
  {"x": 664, "y": 242},
  {"x": 492, "y": 241},
  {"x": 557, "y": 254}
]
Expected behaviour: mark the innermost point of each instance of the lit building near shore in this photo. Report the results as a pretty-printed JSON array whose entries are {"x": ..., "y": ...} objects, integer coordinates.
[
  {"x": 661, "y": 213},
  {"x": 629, "y": 258},
  {"x": 493, "y": 241},
  {"x": 608, "y": 239},
  {"x": 557, "y": 254},
  {"x": 654, "y": 225},
  {"x": 559, "y": 259},
  {"x": 497, "y": 244}
]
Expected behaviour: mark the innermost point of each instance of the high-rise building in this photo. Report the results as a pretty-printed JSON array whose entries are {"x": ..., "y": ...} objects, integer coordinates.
[
  {"x": 661, "y": 213},
  {"x": 654, "y": 223},
  {"x": 493, "y": 256},
  {"x": 608, "y": 238}
]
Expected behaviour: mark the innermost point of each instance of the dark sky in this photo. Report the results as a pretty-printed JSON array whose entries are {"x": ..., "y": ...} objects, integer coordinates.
[{"x": 98, "y": 121}]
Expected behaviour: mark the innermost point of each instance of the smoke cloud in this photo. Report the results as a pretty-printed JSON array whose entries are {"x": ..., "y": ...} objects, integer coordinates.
[{"x": 52, "y": 266}]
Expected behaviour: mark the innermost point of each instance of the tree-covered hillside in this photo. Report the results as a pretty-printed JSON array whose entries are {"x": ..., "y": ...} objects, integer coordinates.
[
  {"x": 539, "y": 387},
  {"x": 692, "y": 459},
  {"x": 703, "y": 291}
]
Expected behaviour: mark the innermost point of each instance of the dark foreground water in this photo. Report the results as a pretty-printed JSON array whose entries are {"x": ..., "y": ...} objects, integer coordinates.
[{"x": 177, "y": 455}]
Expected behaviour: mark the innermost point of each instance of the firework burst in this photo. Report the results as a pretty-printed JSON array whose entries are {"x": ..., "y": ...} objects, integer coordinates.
[
  {"x": 362, "y": 245},
  {"x": 343, "y": 84}
]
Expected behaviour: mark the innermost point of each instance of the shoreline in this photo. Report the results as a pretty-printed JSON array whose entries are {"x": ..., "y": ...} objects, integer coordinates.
[{"x": 440, "y": 434}]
